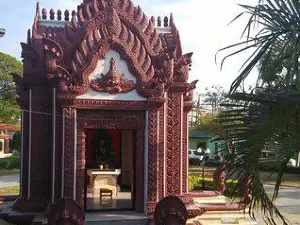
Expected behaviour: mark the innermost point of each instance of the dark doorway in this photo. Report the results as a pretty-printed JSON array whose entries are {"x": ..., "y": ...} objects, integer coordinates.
[{"x": 110, "y": 169}]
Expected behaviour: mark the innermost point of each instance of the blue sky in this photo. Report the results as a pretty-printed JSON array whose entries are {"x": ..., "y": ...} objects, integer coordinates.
[{"x": 203, "y": 26}]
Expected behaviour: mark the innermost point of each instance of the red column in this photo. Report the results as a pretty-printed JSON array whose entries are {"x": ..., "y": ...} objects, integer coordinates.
[
  {"x": 185, "y": 146},
  {"x": 174, "y": 143},
  {"x": 80, "y": 173},
  {"x": 161, "y": 153},
  {"x": 69, "y": 157},
  {"x": 152, "y": 158}
]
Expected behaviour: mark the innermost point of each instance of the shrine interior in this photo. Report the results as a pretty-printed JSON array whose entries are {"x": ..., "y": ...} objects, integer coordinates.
[{"x": 110, "y": 167}]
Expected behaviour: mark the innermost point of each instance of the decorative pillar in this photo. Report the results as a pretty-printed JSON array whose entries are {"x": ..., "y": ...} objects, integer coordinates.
[
  {"x": 161, "y": 153},
  {"x": 80, "y": 174},
  {"x": 24, "y": 152},
  {"x": 29, "y": 143},
  {"x": 185, "y": 147},
  {"x": 63, "y": 154},
  {"x": 36, "y": 150},
  {"x": 53, "y": 145},
  {"x": 69, "y": 157},
  {"x": 187, "y": 106},
  {"x": 174, "y": 143},
  {"x": 152, "y": 158},
  {"x": 40, "y": 146}
]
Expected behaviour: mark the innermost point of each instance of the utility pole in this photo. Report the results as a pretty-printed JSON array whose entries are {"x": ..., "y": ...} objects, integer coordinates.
[{"x": 2, "y": 32}]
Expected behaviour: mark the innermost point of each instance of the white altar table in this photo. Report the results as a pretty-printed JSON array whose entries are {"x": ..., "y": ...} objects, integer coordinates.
[{"x": 105, "y": 178}]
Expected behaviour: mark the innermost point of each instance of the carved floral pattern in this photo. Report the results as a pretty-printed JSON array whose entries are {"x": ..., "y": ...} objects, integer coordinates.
[{"x": 152, "y": 158}]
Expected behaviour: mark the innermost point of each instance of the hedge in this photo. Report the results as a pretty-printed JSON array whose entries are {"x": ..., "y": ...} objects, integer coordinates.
[
  {"x": 195, "y": 183},
  {"x": 8, "y": 163}
]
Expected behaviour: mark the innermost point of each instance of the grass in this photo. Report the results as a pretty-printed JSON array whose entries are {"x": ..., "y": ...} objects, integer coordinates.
[
  {"x": 291, "y": 179},
  {"x": 13, "y": 190},
  {"x": 9, "y": 172}
]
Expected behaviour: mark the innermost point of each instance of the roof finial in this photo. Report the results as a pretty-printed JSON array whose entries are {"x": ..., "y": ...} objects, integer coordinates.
[
  {"x": 59, "y": 14},
  {"x": 152, "y": 19},
  {"x": 28, "y": 37},
  {"x": 171, "y": 22},
  {"x": 166, "y": 21},
  {"x": 67, "y": 15},
  {"x": 36, "y": 19},
  {"x": 38, "y": 9},
  {"x": 44, "y": 14},
  {"x": 52, "y": 13},
  {"x": 158, "y": 21}
]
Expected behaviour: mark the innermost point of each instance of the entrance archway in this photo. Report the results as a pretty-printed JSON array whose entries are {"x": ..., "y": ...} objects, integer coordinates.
[{"x": 112, "y": 120}]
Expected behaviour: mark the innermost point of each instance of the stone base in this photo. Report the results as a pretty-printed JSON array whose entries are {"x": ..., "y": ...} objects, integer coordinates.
[
  {"x": 193, "y": 208},
  {"x": 16, "y": 217},
  {"x": 22, "y": 211},
  {"x": 24, "y": 205}
]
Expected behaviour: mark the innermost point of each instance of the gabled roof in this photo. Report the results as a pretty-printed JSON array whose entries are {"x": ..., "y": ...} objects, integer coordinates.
[
  {"x": 200, "y": 134},
  {"x": 66, "y": 50}
]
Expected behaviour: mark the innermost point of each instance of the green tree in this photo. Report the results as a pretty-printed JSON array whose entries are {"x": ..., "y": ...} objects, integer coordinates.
[
  {"x": 212, "y": 97},
  {"x": 9, "y": 109},
  {"x": 210, "y": 123},
  {"x": 269, "y": 115},
  {"x": 15, "y": 142}
]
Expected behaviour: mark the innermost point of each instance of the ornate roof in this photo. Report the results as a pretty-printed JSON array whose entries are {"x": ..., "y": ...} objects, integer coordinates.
[{"x": 67, "y": 50}]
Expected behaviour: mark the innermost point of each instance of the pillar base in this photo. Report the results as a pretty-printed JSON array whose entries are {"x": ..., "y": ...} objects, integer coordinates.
[
  {"x": 194, "y": 209},
  {"x": 24, "y": 205}
]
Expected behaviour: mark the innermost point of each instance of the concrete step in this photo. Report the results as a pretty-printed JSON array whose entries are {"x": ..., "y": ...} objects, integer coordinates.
[
  {"x": 224, "y": 217},
  {"x": 115, "y": 218},
  {"x": 228, "y": 216},
  {"x": 216, "y": 199},
  {"x": 118, "y": 222}
]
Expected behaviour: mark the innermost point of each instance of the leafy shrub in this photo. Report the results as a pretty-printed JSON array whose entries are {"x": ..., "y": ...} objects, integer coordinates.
[
  {"x": 15, "y": 142},
  {"x": 12, "y": 162},
  {"x": 196, "y": 183},
  {"x": 194, "y": 161},
  {"x": 212, "y": 163}
]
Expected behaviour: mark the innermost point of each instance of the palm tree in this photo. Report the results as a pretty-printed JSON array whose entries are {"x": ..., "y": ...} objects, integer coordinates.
[{"x": 268, "y": 117}]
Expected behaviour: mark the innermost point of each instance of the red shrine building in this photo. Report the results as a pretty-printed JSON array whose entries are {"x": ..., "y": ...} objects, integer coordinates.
[{"x": 105, "y": 103}]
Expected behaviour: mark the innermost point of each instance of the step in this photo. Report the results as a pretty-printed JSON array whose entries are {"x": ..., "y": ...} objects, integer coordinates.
[
  {"x": 221, "y": 217},
  {"x": 216, "y": 199},
  {"x": 115, "y": 218}
]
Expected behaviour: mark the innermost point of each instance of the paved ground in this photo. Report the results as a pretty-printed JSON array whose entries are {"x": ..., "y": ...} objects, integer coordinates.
[
  {"x": 288, "y": 202},
  {"x": 7, "y": 181}
]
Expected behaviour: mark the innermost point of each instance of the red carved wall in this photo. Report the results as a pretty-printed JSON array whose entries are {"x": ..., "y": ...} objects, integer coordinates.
[{"x": 64, "y": 58}]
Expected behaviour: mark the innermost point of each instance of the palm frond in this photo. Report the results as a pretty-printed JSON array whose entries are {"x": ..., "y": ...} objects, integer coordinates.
[
  {"x": 277, "y": 22},
  {"x": 250, "y": 129}
]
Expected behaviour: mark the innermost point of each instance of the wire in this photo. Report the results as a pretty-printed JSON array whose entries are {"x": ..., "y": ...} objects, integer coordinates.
[{"x": 59, "y": 115}]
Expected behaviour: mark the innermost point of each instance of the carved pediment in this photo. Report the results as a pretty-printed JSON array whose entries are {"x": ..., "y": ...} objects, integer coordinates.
[{"x": 112, "y": 82}]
